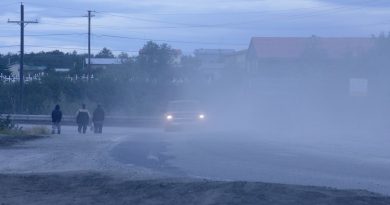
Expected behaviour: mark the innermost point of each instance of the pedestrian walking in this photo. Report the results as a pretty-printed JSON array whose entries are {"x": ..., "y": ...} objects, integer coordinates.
[
  {"x": 82, "y": 119},
  {"x": 98, "y": 119},
  {"x": 56, "y": 117}
]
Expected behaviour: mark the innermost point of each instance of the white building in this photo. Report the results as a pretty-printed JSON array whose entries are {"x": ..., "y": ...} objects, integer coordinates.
[
  {"x": 28, "y": 70},
  {"x": 103, "y": 63}
]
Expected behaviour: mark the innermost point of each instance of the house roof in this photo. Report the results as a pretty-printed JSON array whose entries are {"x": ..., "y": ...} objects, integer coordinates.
[
  {"x": 104, "y": 61},
  {"x": 294, "y": 47}
]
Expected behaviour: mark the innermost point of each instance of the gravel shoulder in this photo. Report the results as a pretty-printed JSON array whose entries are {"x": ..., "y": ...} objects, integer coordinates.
[
  {"x": 146, "y": 166},
  {"x": 7, "y": 140},
  {"x": 94, "y": 188}
]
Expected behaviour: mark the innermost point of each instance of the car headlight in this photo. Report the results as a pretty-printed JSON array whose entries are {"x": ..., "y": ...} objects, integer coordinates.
[
  {"x": 169, "y": 117},
  {"x": 201, "y": 116}
]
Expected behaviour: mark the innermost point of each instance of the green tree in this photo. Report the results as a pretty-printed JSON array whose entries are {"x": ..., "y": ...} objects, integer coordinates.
[
  {"x": 4, "y": 65},
  {"x": 156, "y": 61},
  {"x": 123, "y": 56},
  {"x": 105, "y": 53},
  {"x": 189, "y": 67}
]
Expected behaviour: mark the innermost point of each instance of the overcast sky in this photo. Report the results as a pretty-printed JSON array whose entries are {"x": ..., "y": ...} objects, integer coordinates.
[{"x": 125, "y": 25}]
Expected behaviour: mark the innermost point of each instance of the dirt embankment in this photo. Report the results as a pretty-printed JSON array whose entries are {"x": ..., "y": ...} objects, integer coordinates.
[
  {"x": 87, "y": 188},
  {"x": 8, "y": 140}
]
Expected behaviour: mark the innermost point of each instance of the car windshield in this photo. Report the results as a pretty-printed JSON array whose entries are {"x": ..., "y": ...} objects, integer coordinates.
[{"x": 189, "y": 106}]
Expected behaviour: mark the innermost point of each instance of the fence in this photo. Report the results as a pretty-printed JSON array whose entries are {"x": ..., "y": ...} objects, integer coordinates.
[
  {"x": 109, "y": 121},
  {"x": 15, "y": 78},
  {"x": 38, "y": 77}
]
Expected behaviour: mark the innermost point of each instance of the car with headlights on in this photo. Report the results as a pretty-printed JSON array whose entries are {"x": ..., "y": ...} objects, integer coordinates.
[{"x": 183, "y": 114}]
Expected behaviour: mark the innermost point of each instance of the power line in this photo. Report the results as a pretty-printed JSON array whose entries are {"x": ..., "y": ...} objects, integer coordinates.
[
  {"x": 171, "y": 27},
  {"x": 8, "y": 46},
  {"x": 68, "y": 48},
  {"x": 66, "y": 17},
  {"x": 147, "y": 20},
  {"x": 232, "y": 13},
  {"x": 300, "y": 16},
  {"x": 161, "y": 40},
  {"x": 57, "y": 7},
  {"x": 78, "y": 48},
  {"x": 187, "y": 25},
  {"x": 22, "y": 24},
  {"x": 64, "y": 24},
  {"x": 8, "y": 5},
  {"x": 310, "y": 14},
  {"x": 52, "y": 34},
  {"x": 204, "y": 13},
  {"x": 177, "y": 25},
  {"x": 222, "y": 25}
]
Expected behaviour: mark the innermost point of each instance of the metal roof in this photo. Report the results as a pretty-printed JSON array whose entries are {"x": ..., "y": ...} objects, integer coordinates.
[{"x": 104, "y": 61}]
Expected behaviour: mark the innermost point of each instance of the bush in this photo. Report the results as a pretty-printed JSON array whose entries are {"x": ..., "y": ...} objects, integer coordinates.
[
  {"x": 17, "y": 131},
  {"x": 6, "y": 123},
  {"x": 7, "y": 127}
]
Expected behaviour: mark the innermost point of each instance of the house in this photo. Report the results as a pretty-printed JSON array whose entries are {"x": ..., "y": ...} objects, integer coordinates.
[
  {"x": 28, "y": 69},
  {"x": 104, "y": 63},
  {"x": 291, "y": 49},
  {"x": 329, "y": 66}
]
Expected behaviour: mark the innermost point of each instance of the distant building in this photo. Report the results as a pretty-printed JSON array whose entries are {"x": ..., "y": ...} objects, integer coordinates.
[
  {"x": 28, "y": 69},
  {"x": 212, "y": 59},
  {"x": 325, "y": 66},
  {"x": 62, "y": 70},
  {"x": 237, "y": 60},
  {"x": 104, "y": 63}
]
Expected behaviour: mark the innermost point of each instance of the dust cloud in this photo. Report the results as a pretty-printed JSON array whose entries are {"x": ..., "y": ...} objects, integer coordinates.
[{"x": 347, "y": 96}]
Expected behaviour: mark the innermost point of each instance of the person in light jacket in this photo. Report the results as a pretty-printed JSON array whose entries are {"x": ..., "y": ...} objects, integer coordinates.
[
  {"x": 98, "y": 119},
  {"x": 82, "y": 119}
]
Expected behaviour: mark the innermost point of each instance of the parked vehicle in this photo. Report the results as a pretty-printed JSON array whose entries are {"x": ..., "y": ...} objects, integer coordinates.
[{"x": 184, "y": 114}]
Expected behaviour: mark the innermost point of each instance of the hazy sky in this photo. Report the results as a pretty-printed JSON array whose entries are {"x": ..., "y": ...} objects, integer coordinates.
[{"x": 125, "y": 25}]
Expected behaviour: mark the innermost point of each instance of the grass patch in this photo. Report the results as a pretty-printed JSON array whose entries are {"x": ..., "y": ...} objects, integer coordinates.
[
  {"x": 20, "y": 131},
  {"x": 38, "y": 130},
  {"x": 17, "y": 135}
]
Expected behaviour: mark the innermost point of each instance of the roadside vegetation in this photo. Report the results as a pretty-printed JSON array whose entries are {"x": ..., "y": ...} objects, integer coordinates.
[
  {"x": 11, "y": 133},
  {"x": 140, "y": 86},
  {"x": 144, "y": 83}
]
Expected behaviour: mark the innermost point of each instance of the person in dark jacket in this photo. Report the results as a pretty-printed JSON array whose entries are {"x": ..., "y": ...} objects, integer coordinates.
[
  {"x": 98, "y": 119},
  {"x": 56, "y": 117},
  {"x": 82, "y": 119}
]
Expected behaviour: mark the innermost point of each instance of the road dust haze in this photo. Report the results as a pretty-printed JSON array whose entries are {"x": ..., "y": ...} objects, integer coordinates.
[{"x": 347, "y": 99}]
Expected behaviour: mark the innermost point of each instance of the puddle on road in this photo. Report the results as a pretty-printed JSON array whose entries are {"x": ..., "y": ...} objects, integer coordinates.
[{"x": 148, "y": 154}]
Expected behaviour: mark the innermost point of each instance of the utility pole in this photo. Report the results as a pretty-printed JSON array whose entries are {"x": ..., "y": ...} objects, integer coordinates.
[
  {"x": 22, "y": 24},
  {"x": 89, "y": 42}
]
